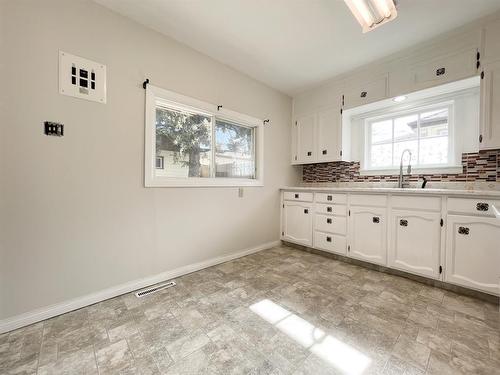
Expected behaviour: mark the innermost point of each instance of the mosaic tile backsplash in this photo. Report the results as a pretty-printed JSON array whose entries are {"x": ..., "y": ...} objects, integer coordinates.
[{"x": 477, "y": 166}]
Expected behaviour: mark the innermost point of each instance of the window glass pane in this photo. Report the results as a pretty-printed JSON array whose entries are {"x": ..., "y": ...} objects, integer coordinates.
[
  {"x": 434, "y": 150},
  {"x": 183, "y": 140},
  {"x": 381, "y": 156},
  {"x": 399, "y": 147},
  {"x": 434, "y": 123},
  {"x": 234, "y": 150},
  {"x": 405, "y": 128},
  {"x": 381, "y": 131}
]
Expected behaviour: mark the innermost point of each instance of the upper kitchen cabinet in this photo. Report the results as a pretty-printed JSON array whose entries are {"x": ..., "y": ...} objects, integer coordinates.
[
  {"x": 491, "y": 41},
  {"x": 365, "y": 92},
  {"x": 489, "y": 134},
  {"x": 316, "y": 137}
]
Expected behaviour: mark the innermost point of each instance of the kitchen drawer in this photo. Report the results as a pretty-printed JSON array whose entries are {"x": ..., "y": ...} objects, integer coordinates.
[
  {"x": 331, "y": 209},
  {"x": 330, "y": 224},
  {"x": 330, "y": 242},
  {"x": 298, "y": 196},
  {"x": 478, "y": 206},
  {"x": 376, "y": 200},
  {"x": 331, "y": 198},
  {"x": 416, "y": 203},
  {"x": 366, "y": 92}
]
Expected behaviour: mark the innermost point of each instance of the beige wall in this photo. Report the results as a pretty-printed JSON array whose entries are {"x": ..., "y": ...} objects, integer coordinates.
[{"x": 74, "y": 215}]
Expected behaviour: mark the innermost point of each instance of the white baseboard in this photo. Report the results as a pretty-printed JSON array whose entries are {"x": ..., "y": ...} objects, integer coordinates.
[{"x": 43, "y": 313}]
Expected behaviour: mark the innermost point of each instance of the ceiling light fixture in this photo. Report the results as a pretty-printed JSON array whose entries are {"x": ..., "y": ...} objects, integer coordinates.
[
  {"x": 372, "y": 13},
  {"x": 399, "y": 99}
]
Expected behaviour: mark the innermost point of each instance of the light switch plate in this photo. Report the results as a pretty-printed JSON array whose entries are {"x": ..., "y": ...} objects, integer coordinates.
[{"x": 82, "y": 78}]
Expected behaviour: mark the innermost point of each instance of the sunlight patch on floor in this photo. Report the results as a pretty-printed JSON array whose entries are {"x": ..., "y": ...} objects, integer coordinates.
[{"x": 342, "y": 356}]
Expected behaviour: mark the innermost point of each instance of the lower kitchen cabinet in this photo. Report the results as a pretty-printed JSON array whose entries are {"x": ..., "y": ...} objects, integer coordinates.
[
  {"x": 330, "y": 242},
  {"x": 473, "y": 252},
  {"x": 297, "y": 222},
  {"x": 368, "y": 234},
  {"x": 415, "y": 242}
]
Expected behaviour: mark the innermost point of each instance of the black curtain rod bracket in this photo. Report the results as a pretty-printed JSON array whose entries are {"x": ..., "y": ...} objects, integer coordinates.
[
  {"x": 145, "y": 83},
  {"x": 219, "y": 107},
  {"x": 266, "y": 121}
]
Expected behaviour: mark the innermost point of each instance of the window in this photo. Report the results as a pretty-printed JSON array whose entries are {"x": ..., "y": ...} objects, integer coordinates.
[
  {"x": 192, "y": 143},
  {"x": 424, "y": 131}
]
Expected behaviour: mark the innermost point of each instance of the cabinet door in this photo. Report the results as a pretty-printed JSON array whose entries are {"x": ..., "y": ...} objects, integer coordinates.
[
  {"x": 297, "y": 223},
  {"x": 366, "y": 92},
  {"x": 489, "y": 137},
  {"x": 415, "y": 242},
  {"x": 305, "y": 138},
  {"x": 473, "y": 252},
  {"x": 329, "y": 135},
  {"x": 368, "y": 234},
  {"x": 445, "y": 69}
]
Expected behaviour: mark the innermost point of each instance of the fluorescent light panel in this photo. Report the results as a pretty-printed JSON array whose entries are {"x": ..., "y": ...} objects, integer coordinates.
[{"x": 372, "y": 13}]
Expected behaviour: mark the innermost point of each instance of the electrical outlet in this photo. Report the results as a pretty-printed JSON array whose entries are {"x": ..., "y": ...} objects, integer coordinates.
[{"x": 53, "y": 128}]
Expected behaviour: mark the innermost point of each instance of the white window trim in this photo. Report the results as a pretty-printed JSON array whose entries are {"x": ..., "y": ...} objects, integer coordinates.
[
  {"x": 451, "y": 167},
  {"x": 156, "y": 94}
]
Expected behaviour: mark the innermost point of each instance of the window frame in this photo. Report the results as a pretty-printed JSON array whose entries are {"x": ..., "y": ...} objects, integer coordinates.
[
  {"x": 450, "y": 167},
  {"x": 156, "y": 95}
]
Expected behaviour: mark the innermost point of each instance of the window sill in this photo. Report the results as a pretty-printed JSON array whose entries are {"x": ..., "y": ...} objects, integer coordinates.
[
  {"x": 202, "y": 182},
  {"x": 395, "y": 172}
]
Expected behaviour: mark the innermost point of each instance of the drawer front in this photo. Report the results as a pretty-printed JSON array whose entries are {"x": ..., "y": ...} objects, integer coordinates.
[
  {"x": 298, "y": 196},
  {"x": 476, "y": 206},
  {"x": 331, "y": 209},
  {"x": 330, "y": 224},
  {"x": 416, "y": 203},
  {"x": 331, "y": 198},
  {"x": 330, "y": 242},
  {"x": 369, "y": 200}
]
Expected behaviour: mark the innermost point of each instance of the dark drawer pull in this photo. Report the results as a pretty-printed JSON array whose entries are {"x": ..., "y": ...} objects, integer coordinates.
[
  {"x": 324, "y": 152},
  {"x": 328, "y": 221},
  {"x": 296, "y": 196},
  {"x": 329, "y": 209},
  {"x": 482, "y": 206},
  {"x": 306, "y": 211},
  {"x": 363, "y": 94},
  {"x": 309, "y": 153},
  {"x": 440, "y": 71},
  {"x": 463, "y": 230},
  {"x": 376, "y": 219},
  {"x": 403, "y": 222},
  {"x": 328, "y": 239},
  {"x": 329, "y": 197}
]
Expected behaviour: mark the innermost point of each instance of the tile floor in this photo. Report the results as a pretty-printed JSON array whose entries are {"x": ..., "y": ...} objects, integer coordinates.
[{"x": 280, "y": 311}]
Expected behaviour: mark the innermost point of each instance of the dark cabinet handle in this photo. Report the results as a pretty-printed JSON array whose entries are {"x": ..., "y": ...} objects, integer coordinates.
[
  {"x": 329, "y": 197},
  {"x": 328, "y": 221},
  {"x": 306, "y": 211},
  {"x": 309, "y": 153},
  {"x": 482, "y": 206},
  {"x": 376, "y": 219},
  {"x": 363, "y": 94},
  {"x": 403, "y": 222},
  {"x": 328, "y": 239},
  {"x": 296, "y": 196},
  {"x": 440, "y": 71},
  {"x": 329, "y": 209},
  {"x": 463, "y": 230},
  {"x": 324, "y": 152},
  {"x": 480, "y": 138}
]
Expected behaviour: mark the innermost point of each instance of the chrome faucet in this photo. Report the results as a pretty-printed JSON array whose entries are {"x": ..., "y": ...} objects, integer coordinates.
[{"x": 401, "y": 181}]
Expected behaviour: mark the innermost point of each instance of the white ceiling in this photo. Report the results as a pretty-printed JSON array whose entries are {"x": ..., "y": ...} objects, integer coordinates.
[{"x": 293, "y": 44}]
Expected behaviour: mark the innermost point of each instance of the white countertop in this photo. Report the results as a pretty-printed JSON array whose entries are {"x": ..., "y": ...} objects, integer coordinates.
[{"x": 413, "y": 191}]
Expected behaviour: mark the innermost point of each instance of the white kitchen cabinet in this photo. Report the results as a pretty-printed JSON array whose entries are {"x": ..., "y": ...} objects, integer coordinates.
[
  {"x": 305, "y": 129},
  {"x": 489, "y": 133},
  {"x": 368, "y": 234},
  {"x": 365, "y": 92},
  {"x": 415, "y": 242},
  {"x": 297, "y": 222},
  {"x": 329, "y": 135},
  {"x": 473, "y": 252},
  {"x": 330, "y": 242}
]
